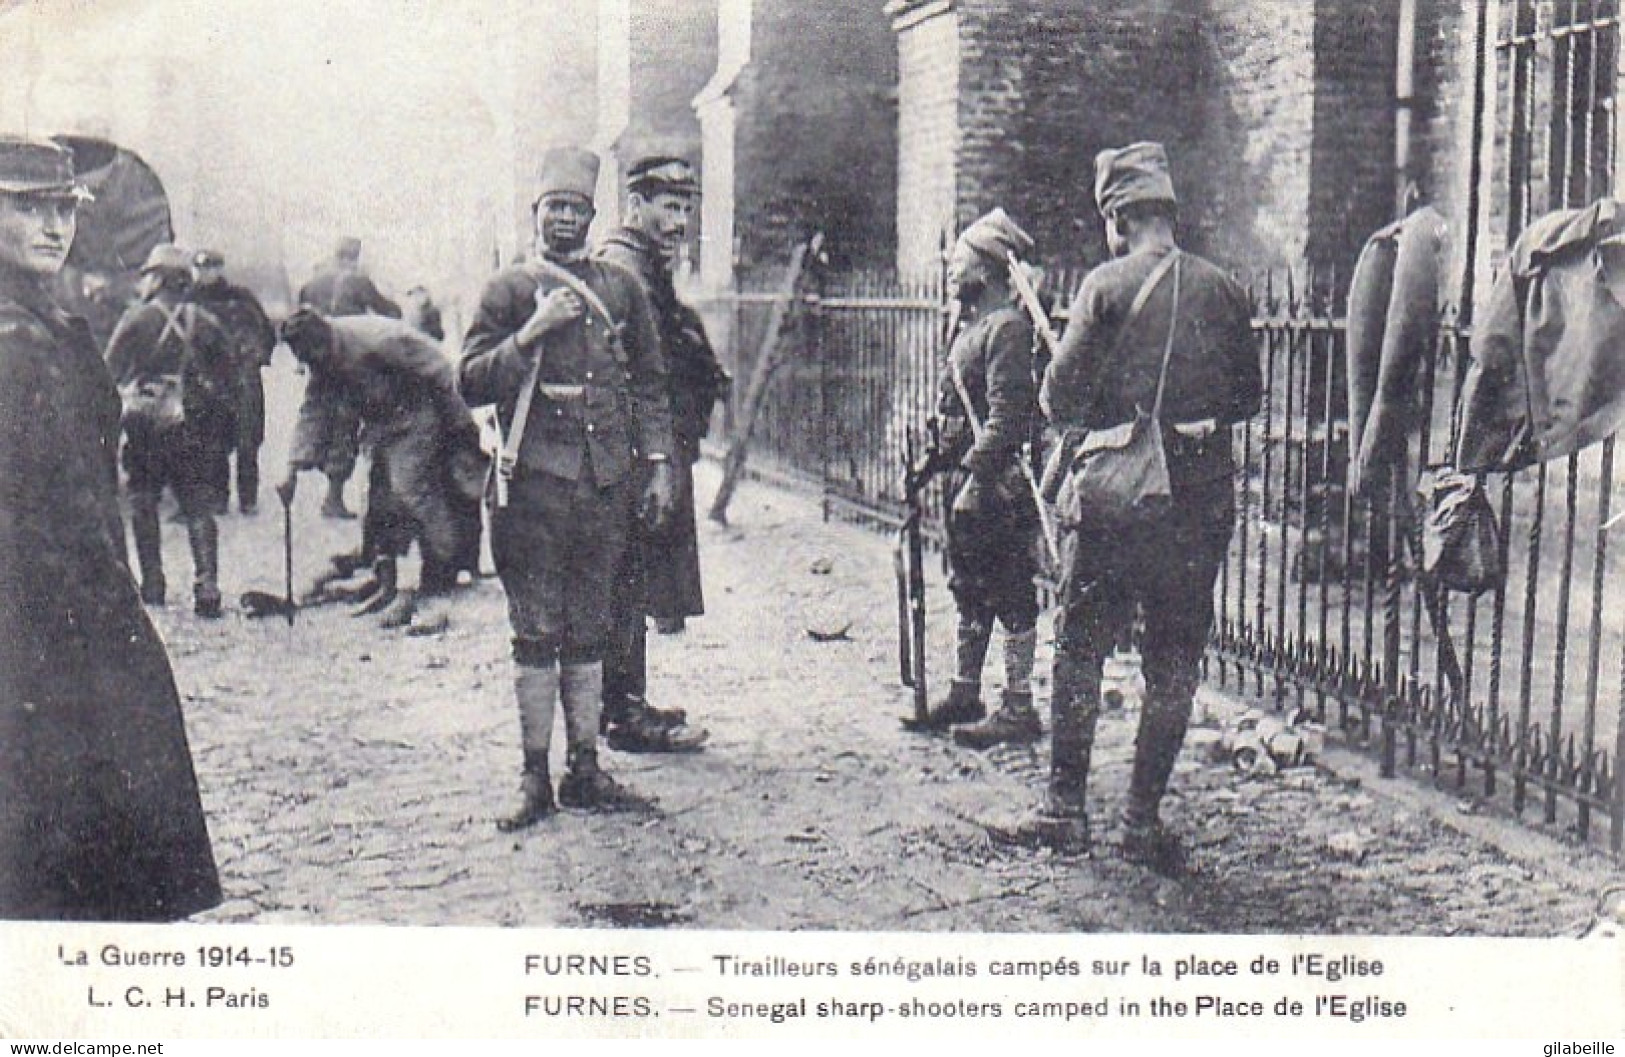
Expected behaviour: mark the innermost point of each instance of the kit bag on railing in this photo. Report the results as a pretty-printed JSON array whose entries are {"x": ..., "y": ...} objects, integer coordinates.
[
  {"x": 1461, "y": 544},
  {"x": 1118, "y": 477}
]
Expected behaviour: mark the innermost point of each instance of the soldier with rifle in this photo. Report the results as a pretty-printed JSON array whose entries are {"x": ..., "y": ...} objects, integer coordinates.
[{"x": 988, "y": 407}]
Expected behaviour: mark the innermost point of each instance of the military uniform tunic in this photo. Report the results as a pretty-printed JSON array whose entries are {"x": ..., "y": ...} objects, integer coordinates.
[
  {"x": 253, "y": 338},
  {"x": 600, "y": 408},
  {"x": 99, "y": 811},
  {"x": 992, "y": 544},
  {"x": 342, "y": 289}
]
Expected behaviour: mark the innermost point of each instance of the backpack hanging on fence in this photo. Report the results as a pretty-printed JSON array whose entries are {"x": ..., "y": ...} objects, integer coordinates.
[{"x": 1461, "y": 543}]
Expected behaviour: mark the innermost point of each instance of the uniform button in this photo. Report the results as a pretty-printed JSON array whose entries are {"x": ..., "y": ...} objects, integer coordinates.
[
  {"x": 589, "y": 376},
  {"x": 589, "y": 427}
]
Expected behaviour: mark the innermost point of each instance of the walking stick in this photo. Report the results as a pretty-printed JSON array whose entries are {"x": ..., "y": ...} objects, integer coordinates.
[{"x": 287, "y": 559}]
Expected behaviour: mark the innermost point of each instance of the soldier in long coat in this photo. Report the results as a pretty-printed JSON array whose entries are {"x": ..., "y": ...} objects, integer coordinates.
[
  {"x": 573, "y": 341},
  {"x": 659, "y": 575},
  {"x": 99, "y": 811},
  {"x": 253, "y": 336}
]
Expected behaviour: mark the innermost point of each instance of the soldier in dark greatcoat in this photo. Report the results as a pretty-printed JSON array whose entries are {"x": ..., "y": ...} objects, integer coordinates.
[
  {"x": 99, "y": 812},
  {"x": 163, "y": 341},
  {"x": 988, "y": 404},
  {"x": 253, "y": 336},
  {"x": 571, "y": 341},
  {"x": 1193, "y": 330},
  {"x": 659, "y": 575},
  {"x": 341, "y": 288}
]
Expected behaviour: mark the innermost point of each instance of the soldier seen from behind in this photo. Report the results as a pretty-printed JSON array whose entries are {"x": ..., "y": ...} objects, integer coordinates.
[
  {"x": 565, "y": 346},
  {"x": 988, "y": 404},
  {"x": 100, "y": 818},
  {"x": 659, "y": 576},
  {"x": 253, "y": 337},
  {"x": 1155, "y": 327},
  {"x": 179, "y": 370}
]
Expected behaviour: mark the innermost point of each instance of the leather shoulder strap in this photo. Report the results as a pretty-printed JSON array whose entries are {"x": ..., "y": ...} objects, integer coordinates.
[{"x": 595, "y": 303}]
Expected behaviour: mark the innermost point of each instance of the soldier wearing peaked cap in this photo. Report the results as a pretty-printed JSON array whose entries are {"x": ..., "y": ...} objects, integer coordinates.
[
  {"x": 166, "y": 343},
  {"x": 566, "y": 348},
  {"x": 100, "y": 818},
  {"x": 253, "y": 338},
  {"x": 989, "y": 405},
  {"x": 659, "y": 575},
  {"x": 1188, "y": 351}
]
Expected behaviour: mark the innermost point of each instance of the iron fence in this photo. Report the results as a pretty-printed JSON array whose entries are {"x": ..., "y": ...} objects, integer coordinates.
[{"x": 1515, "y": 695}]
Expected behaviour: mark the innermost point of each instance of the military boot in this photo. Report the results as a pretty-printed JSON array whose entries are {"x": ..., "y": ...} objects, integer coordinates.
[
  {"x": 1164, "y": 717},
  {"x": 398, "y": 614},
  {"x": 536, "y": 690},
  {"x": 377, "y": 595},
  {"x": 587, "y": 788},
  {"x": 203, "y": 534},
  {"x": 149, "y": 553},
  {"x": 1062, "y": 822},
  {"x": 640, "y": 727},
  {"x": 1015, "y": 723},
  {"x": 535, "y": 795}
]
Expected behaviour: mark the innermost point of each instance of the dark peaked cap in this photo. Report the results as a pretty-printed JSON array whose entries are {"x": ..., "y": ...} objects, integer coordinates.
[
  {"x": 662, "y": 173},
  {"x": 37, "y": 167},
  {"x": 1136, "y": 173},
  {"x": 997, "y": 235}
]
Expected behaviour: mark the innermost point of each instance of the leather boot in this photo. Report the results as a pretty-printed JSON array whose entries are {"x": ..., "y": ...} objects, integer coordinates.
[
  {"x": 381, "y": 592},
  {"x": 1015, "y": 723},
  {"x": 536, "y": 690},
  {"x": 1163, "y": 720},
  {"x": 1062, "y": 823},
  {"x": 149, "y": 554},
  {"x": 535, "y": 795},
  {"x": 203, "y": 533},
  {"x": 640, "y": 727},
  {"x": 398, "y": 614},
  {"x": 585, "y": 786}
]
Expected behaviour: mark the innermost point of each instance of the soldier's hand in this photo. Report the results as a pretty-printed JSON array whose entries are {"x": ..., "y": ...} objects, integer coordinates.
[
  {"x": 287, "y": 487},
  {"x": 554, "y": 308},
  {"x": 659, "y": 497}
]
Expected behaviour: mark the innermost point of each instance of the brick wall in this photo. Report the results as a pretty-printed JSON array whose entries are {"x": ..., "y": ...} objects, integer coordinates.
[
  {"x": 927, "y": 139},
  {"x": 816, "y": 132}
]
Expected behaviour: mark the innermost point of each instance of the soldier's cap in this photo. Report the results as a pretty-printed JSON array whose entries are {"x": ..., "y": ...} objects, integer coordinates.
[
  {"x": 662, "y": 174},
  {"x": 996, "y": 235},
  {"x": 567, "y": 170},
  {"x": 348, "y": 249},
  {"x": 209, "y": 259},
  {"x": 167, "y": 256},
  {"x": 1136, "y": 173},
  {"x": 39, "y": 167}
]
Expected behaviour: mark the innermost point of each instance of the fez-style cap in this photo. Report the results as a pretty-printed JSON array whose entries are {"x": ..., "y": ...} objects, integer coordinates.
[
  {"x": 567, "y": 170},
  {"x": 1136, "y": 173},
  {"x": 662, "y": 174},
  {"x": 997, "y": 235},
  {"x": 38, "y": 167},
  {"x": 208, "y": 259},
  {"x": 348, "y": 249},
  {"x": 168, "y": 256}
]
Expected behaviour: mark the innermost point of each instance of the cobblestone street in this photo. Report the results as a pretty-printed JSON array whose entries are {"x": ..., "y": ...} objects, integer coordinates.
[{"x": 352, "y": 775}]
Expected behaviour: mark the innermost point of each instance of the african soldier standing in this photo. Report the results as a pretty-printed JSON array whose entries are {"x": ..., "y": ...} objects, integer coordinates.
[
  {"x": 99, "y": 812},
  {"x": 168, "y": 343},
  {"x": 659, "y": 575},
  {"x": 1192, "y": 329},
  {"x": 572, "y": 342},
  {"x": 989, "y": 405},
  {"x": 341, "y": 288},
  {"x": 239, "y": 311}
]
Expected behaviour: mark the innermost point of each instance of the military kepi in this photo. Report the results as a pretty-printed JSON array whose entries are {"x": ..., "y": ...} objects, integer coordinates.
[
  {"x": 168, "y": 256},
  {"x": 996, "y": 235},
  {"x": 37, "y": 167},
  {"x": 1136, "y": 173},
  {"x": 568, "y": 170},
  {"x": 662, "y": 174}
]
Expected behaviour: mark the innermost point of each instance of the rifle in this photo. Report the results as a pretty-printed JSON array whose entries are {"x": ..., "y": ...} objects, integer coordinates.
[
  {"x": 1028, "y": 296},
  {"x": 908, "y": 562}
]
